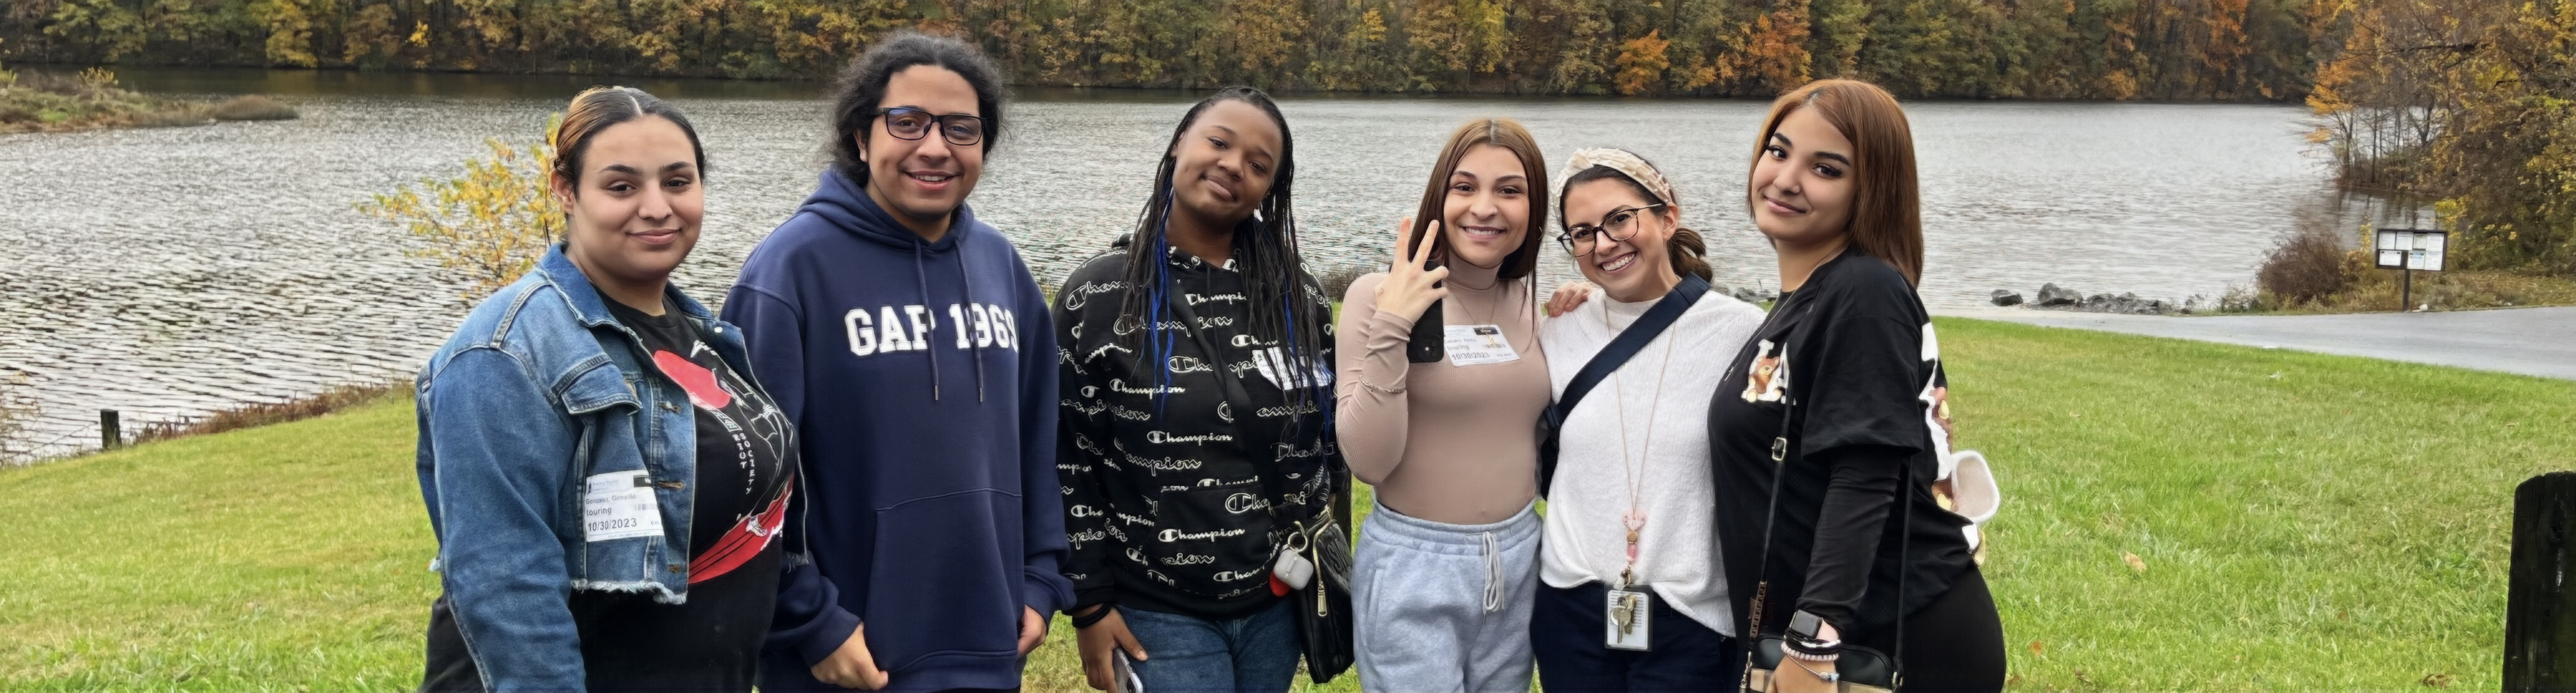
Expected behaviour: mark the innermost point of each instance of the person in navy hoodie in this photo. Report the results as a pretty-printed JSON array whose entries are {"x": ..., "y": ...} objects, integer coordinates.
[{"x": 912, "y": 349}]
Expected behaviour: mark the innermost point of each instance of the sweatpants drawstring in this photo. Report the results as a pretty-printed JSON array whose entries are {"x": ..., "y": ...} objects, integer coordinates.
[{"x": 1493, "y": 574}]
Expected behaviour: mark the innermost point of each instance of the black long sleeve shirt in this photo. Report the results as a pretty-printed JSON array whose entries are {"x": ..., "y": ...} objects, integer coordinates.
[{"x": 1855, "y": 352}]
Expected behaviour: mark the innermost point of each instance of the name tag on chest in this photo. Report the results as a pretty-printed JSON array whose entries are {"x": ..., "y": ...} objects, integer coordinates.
[
  {"x": 1470, "y": 345},
  {"x": 619, "y": 505}
]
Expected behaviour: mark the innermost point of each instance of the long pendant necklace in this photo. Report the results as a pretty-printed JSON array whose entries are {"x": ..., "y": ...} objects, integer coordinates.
[{"x": 1635, "y": 519}]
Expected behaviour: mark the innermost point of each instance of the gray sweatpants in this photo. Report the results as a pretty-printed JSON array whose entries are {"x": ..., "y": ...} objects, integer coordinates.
[{"x": 1443, "y": 607}]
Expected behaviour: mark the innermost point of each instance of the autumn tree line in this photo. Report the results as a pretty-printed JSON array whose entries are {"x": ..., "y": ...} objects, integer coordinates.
[
  {"x": 2469, "y": 104},
  {"x": 2076, "y": 49}
]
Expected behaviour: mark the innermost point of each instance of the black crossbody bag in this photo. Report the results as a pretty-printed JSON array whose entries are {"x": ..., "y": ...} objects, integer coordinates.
[
  {"x": 1324, "y": 625},
  {"x": 1551, "y": 420}
]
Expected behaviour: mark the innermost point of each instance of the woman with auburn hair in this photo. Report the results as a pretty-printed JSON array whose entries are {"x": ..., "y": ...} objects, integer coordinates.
[
  {"x": 1834, "y": 418},
  {"x": 1449, "y": 563},
  {"x": 605, "y": 479}
]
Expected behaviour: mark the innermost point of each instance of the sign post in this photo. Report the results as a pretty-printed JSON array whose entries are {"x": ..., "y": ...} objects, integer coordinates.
[{"x": 2407, "y": 250}]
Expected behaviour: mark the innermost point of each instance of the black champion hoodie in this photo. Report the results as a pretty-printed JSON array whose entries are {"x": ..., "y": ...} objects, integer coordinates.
[{"x": 1176, "y": 492}]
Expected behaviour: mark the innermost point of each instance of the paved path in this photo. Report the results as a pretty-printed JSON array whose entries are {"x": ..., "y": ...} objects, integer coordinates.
[{"x": 2529, "y": 341}]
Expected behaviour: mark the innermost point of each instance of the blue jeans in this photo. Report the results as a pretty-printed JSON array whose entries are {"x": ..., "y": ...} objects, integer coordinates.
[{"x": 1187, "y": 654}]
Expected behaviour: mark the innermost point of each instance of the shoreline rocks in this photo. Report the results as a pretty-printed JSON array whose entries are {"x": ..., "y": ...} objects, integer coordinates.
[{"x": 2053, "y": 297}]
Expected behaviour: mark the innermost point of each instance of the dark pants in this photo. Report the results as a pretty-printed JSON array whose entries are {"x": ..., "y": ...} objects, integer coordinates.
[
  {"x": 1954, "y": 644},
  {"x": 1565, "y": 633}
]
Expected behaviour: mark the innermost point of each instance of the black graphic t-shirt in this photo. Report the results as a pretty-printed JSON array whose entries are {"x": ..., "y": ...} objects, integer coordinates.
[
  {"x": 743, "y": 440},
  {"x": 1171, "y": 452},
  {"x": 1856, "y": 353},
  {"x": 629, "y": 642}
]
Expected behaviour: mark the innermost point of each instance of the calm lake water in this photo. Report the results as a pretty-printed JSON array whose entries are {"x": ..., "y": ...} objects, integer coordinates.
[{"x": 166, "y": 273}]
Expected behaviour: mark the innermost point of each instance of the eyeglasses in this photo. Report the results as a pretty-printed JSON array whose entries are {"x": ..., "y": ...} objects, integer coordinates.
[
  {"x": 913, "y": 123},
  {"x": 1619, "y": 225}
]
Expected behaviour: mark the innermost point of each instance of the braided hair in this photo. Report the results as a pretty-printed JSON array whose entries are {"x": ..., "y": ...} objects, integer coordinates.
[{"x": 1282, "y": 295}]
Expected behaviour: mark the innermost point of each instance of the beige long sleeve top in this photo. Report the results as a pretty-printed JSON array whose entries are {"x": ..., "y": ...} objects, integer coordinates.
[{"x": 1440, "y": 441}]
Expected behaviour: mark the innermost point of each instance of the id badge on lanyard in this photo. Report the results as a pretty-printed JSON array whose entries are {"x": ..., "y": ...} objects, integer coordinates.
[{"x": 1630, "y": 625}]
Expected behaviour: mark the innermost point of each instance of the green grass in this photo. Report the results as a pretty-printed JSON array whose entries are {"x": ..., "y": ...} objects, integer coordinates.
[
  {"x": 2307, "y": 522},
  {"x": 288, "y": 557}
]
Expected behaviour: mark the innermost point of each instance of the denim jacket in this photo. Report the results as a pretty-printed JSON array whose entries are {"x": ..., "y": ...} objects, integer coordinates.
[{"x": 539, "y": 390}]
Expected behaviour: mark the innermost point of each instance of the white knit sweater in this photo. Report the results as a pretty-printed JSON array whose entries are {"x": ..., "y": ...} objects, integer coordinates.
[{"x": 1677, "y": 549}]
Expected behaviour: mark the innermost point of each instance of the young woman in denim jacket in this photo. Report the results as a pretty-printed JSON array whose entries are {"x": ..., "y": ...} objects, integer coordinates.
[{"x": 604, "y": 477}]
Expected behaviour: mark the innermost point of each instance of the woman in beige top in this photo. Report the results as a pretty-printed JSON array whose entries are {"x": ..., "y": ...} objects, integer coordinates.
[{"x": 1448, "y": 562}]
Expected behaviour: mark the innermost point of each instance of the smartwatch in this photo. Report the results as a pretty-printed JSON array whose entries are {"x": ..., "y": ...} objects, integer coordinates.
[{"x": 1803, "y": 628}]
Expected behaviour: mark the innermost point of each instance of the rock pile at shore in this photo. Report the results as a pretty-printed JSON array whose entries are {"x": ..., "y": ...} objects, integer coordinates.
[{"x": 2052, "y": 296}]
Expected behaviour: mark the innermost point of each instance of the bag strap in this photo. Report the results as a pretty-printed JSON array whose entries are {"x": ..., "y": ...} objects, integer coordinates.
[
  {"x": 1771, "y": 516},
  {"x": 1616, "y": 354},
  {"x": 1904, "y": 556}
]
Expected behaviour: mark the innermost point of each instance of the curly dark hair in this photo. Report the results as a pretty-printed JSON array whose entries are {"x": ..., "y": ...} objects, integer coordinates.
[{"x": 856, "y": 94}]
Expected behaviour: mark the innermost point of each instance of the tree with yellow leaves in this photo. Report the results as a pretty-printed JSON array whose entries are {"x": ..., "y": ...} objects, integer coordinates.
[{"x": 489, "y": 226}]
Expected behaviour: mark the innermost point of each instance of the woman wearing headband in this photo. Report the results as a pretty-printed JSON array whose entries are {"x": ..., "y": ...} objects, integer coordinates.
[
  {"x": 1838, "y": 414},
  {"x": 1449, "y": 563},
  {"x": 1635, "y": 597}
]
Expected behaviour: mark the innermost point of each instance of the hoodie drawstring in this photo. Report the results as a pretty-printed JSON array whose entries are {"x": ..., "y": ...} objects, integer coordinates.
[
  {"x": 992, "y": 323},
  {"x": 923, "y": 276}
]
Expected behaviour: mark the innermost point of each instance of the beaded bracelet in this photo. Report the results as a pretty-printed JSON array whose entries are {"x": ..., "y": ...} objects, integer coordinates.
[{"x": 1795, "y": 654}]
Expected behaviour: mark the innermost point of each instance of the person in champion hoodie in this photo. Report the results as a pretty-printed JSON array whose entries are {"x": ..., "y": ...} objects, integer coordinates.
[
  {"x": 1197, "y": 408},
  {"x": 910, "y": 345}
]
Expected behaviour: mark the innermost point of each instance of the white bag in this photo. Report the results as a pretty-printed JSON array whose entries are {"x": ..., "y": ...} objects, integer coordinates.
[{"x": 1972, "y": 493}]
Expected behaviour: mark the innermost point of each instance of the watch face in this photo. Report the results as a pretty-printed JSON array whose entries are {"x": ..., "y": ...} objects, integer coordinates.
[{"x": 1805, "y": 625}]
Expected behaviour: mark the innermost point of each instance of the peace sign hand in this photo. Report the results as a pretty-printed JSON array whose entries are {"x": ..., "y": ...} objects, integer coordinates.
[{"x": 1409, "y": 288}]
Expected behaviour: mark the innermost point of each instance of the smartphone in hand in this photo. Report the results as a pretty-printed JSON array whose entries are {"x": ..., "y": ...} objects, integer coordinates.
[
  {"x": 1428, "y": 342},
  {"x": 1124, "y": 672}
]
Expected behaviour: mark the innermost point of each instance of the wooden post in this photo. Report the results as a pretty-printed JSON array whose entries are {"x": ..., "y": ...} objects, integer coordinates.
[
  {"x": 2540, "y": 606},
  {"x": 109, "y": 434}
]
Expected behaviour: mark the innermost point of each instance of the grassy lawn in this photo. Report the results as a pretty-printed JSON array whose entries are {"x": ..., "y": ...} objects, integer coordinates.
[{"x": 2305, "y": 522}]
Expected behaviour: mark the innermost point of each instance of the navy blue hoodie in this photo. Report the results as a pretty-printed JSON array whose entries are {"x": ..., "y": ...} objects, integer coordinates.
[{"x": 922, "y": 380}]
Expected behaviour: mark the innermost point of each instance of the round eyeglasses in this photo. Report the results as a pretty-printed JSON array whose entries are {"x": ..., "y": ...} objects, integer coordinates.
[{"x": 1619, "y": 225}]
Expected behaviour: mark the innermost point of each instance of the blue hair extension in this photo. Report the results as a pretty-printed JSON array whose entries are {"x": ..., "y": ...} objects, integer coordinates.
[{"x": 1157, "y": 297}]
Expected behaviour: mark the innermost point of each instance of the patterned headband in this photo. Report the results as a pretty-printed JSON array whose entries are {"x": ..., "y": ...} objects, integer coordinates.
[{"x": 1620, "y": 160}]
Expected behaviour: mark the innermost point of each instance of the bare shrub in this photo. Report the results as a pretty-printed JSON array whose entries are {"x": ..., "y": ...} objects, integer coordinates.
[
  {"x": 17, "y": 410},
  {"x": 1337, "y": 279},
  {"x": 256, "y": 415},
  {"x": 254, "y": 107},
  {"x": 2305, "y": 267}
]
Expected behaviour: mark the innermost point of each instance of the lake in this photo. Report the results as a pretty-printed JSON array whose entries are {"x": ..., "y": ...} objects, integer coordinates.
[{"x": 166, "y": 273}]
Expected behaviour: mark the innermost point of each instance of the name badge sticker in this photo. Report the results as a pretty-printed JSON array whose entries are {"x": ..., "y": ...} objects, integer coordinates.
[
  {"x": 620, "y": 505},
  {"x": 1470, "y": 345}
]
